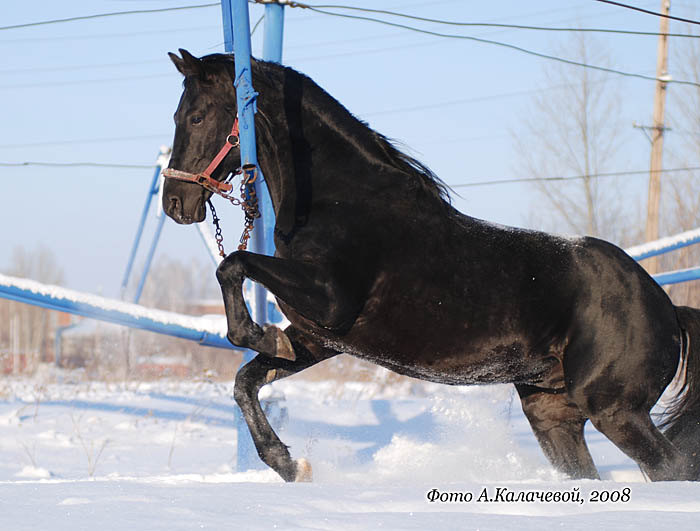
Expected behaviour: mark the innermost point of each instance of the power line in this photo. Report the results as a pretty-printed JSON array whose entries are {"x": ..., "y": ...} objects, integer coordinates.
[
  {"x": 90, "y": 36},
  {"x": 86, "y": 141},
  {"x": 503, "y": 45},
  {"x": 464, "y": 185},
  {"x": 569, "y": 178},
  {"x": 487, "y": 24},
  {"x": 85, "y": 81},
  {"x": 76, "y": 164},
  {"x": 103, "y": 15},
  {"x": 634, "y": 8},
  {"x": 69, "y": 68},
  {"x": 462, "y": 101}
]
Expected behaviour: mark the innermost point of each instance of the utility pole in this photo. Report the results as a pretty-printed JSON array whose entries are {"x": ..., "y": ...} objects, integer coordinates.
[{"x": 657, "y": 138}]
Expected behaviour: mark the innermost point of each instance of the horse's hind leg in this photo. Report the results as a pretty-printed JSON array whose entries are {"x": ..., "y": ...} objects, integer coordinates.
[
  {"x": 618, "y": 400},
  {"x": 636, "y": 435},
  {"x": 558, "y": 425},
  {"x": 263, "y": 370}
]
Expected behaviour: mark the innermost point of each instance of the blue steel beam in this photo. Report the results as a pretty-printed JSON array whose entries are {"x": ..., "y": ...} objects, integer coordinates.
[
  {"x": 153, "y": 190},
  {"x": 272, "y": 51},
  {"x": 675, "y": 277},
  {"x": 664, "y": 245},
  {"x": 236, "y": 23},
  {"x": 103, "y": 309},
  {"x": 149, "y": 257},
  {"x": 274, "y": 33},
  {"x": 237, "y": 40}
]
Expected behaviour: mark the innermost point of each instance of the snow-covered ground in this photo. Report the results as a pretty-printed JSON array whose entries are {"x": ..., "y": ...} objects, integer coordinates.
[{"x": 163, "y": 456}]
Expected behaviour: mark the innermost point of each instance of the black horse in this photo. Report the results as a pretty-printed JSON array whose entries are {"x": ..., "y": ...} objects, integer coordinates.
[{"x": 373, "y": 261}]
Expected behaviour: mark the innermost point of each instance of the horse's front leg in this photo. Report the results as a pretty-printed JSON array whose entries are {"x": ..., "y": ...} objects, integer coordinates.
[
  {"x": 311, "y": 290},
  {"x": 263, "y": 370}
]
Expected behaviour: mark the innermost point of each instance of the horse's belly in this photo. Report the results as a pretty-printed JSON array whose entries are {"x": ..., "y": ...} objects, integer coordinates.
[{"x": 487, "y": 363}]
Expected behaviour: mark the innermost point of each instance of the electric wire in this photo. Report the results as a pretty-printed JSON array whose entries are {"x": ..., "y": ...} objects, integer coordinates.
[
  {"x": 315, "y": 7},
  {"x": 462, "y": 185},
  {"x": 93, "y": 140},
  {"x": 571, "y": 177},
  {"x": 104, "y": 15},
  {"x": 648, "y": 12},
  {"x": 393, "y": 24},
  {"x": 318, "y": 7},
  {"x": 76, "y": 164},
  {"x": 508, "y": 46}
]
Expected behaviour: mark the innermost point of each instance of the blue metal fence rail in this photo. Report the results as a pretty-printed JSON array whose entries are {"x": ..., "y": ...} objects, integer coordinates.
[
  {"x": 666, "y": 245},
  {"x": 199, "y": 329}
]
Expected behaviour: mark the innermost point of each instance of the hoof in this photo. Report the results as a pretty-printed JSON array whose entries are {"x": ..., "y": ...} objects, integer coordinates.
[
  {"x": 283, "y": 347},
  {"x": 304, "y": 472}
]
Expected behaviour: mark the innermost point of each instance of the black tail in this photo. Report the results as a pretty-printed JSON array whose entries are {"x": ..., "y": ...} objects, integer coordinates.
[{"x": 682, "y": 420}]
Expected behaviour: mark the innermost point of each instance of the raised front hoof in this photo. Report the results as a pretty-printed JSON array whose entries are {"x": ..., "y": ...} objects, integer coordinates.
[
  {"x": 275, "y": 343},
  {"x": 304, "y": 472}
]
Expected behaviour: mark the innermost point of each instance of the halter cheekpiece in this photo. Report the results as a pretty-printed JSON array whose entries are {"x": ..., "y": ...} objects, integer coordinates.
[{"x": 248, "y": 199}]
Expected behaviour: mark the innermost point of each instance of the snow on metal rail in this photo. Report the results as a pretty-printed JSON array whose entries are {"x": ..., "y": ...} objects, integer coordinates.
[
  {"x": 664, "y": 245},
  {"x": 209, "y": 332}
]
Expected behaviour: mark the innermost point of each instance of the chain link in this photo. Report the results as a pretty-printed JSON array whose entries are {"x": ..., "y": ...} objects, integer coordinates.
[
  {"x": 219, "y": 237},
  {"x": 248, "y": 202}
]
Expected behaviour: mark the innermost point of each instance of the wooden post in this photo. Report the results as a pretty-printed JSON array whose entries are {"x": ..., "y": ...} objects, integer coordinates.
[{"x": 657, "y": 138}]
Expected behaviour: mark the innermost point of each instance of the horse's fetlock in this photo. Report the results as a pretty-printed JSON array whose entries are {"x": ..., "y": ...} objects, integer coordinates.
[{"x": 244, "y": 337}]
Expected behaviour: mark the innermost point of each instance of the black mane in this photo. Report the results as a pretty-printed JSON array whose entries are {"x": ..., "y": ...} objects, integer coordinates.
[{"x": 397, "y": 158}]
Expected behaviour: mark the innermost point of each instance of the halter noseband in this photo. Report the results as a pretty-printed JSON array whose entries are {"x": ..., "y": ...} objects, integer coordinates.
[
  {"x": 248, "y": 201},
  {"x": 205, "y": 179}
]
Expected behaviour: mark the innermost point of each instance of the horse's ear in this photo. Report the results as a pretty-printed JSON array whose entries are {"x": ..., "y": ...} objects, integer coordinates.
[
  {"x": 188, "y": 65},
  {"x": 179, "y": 63}
]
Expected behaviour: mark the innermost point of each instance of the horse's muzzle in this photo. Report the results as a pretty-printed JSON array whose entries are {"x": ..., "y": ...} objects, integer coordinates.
[{"x": 184, "y": 210}]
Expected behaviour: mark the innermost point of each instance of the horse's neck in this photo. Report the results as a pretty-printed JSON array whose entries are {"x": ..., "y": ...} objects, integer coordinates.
[{"x": 293, "y": 132}]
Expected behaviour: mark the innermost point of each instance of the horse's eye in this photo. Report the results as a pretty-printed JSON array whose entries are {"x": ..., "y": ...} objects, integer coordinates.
[{"x": 197, "y": 120}]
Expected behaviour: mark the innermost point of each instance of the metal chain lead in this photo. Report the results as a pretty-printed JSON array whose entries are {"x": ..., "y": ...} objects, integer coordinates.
[
  {"x": 248, "y": 202},
  {"x": 219, "y": 237}
]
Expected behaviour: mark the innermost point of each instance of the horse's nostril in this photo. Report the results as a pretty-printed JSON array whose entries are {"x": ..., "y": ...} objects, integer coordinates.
[{"x": 174, "y": 205}]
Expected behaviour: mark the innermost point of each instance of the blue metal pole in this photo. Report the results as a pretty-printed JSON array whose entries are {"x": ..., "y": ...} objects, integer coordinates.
[
  {"x": 149, "y": 258},
  {"x": 227, "y": 19},
  {"x": 109, "y": 310},
  {"x": 237, "y": 40},
  {"x": 247, "y": 106},
  {"x": 57, "y": 357},
  {"x": 152, "y": 191},
  {"x": 675, "y": 277},
  {"x": 665, "y": 249},
  {"x": 274, "y": 32},
  {"x": 272, "y": 51}
]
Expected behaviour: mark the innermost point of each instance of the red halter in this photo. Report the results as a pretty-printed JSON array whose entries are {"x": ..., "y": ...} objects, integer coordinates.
[{"x": 205, "y": 179}]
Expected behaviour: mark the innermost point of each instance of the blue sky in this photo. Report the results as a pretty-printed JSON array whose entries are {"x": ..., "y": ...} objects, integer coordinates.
[{"x": 103, "y": 90}]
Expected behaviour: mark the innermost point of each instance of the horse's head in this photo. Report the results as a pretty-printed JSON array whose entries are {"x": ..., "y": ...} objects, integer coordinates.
[{"x": 203, "y": 122}]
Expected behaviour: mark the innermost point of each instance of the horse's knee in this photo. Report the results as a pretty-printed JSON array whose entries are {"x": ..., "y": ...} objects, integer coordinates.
[{"x": 230, "y": 268}]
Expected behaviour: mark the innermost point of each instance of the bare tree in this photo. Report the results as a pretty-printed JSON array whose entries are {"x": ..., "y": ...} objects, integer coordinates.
[
  {"x": 575, "y": 130},
  {"x": 174, "y": 285},
  {"x": 27, "y": 330}
]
